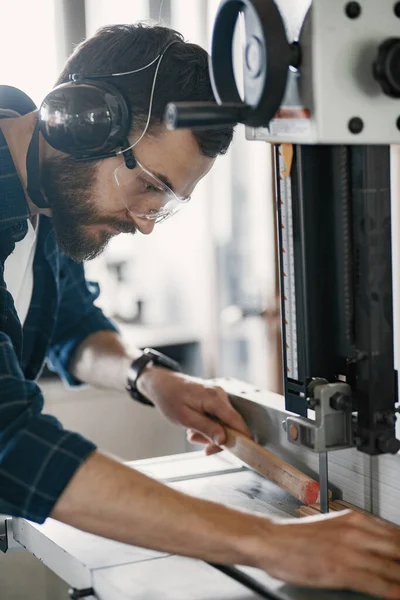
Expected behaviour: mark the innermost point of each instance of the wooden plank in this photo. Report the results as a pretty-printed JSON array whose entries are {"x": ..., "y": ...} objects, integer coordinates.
[
  {"x": 272, "y": 467},
  {"x": 332, "y": 507},
  {"x": 335, "y": 506},
  {"x": 343, "y": 505},
  {"x": 307, "y": 511}
]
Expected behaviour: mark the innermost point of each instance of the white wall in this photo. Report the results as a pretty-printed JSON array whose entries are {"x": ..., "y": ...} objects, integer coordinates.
[
  {"x": 106, "y": 12},
  {"x": 28, "y": 46}
]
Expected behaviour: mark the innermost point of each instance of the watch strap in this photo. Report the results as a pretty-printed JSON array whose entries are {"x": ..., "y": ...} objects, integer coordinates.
[{"x": 149, "y": 356}]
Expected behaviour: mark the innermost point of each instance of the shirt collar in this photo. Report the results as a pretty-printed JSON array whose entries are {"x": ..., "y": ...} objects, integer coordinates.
[{"x": 13, "y": 205}]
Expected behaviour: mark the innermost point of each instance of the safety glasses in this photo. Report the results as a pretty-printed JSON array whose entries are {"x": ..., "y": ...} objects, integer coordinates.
[{"x": 145, "y": 196}]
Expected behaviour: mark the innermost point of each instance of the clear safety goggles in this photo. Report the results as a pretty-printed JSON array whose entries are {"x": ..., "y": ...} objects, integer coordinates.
[{"x": 145, "y": 196}]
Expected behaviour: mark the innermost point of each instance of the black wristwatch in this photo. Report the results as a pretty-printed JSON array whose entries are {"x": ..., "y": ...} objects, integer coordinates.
[{"x": 149, "y": 357}]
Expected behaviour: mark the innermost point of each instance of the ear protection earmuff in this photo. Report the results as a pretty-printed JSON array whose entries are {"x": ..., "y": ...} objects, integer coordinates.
[
  {"x": 89, "y": 118},
  {"x": 85, "y": 118}
]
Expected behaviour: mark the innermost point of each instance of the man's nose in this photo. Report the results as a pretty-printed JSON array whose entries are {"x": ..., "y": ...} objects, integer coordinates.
[{"x": 145, "y": 226}]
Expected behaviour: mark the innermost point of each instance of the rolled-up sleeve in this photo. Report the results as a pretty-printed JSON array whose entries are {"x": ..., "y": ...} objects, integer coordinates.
[
  {"x": 77, "y": 318},
  {"x": 38, "y": 457}
]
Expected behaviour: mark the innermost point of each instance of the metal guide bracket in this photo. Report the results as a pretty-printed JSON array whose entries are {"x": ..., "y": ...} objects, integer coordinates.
[{"x": 332, "y": 427}]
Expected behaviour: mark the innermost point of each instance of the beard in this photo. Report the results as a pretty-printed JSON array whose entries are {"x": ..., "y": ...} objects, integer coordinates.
[{"x": 69, "y": 188}]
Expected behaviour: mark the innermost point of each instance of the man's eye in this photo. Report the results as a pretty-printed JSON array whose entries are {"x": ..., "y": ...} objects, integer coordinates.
[{"x": 149, "y": 187}]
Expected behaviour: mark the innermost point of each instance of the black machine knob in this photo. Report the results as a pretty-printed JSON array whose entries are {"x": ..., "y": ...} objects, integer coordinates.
[
  {"x": 77, "y": 594},
  {"x": 387, "y": 67},
  {"x": 267, "y": 57},
  {"x": 341, "y": 402},
  {"x": 389, "y": 444}
]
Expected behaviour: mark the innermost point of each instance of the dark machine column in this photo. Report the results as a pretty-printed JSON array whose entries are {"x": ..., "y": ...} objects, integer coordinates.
[
  {"x": 373, "y": 376},
  {"x": 336, "y": 282}
]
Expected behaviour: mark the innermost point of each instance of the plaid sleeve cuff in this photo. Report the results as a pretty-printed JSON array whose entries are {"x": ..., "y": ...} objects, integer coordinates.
[
  {"x": 60, "y": 355},
  {"x": 37, "y": 466}
]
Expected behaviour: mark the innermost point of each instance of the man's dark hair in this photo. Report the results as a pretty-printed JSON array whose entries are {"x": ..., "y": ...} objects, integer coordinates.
[{"x": 183, "y": 75}]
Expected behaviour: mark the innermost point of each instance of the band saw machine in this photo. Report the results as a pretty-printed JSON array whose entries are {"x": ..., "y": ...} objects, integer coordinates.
[{"x": 321, "y": 84}]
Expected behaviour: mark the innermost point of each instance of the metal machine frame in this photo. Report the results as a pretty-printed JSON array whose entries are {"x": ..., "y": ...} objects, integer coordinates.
[{"x": 334, "y": 67}]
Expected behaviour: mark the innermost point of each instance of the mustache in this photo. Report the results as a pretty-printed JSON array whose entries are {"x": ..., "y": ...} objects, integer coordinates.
[{"x": 122, "y": 226}]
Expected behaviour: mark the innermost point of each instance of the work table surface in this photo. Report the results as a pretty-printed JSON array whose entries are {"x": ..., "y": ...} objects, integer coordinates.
[{"x": 121, "y": 572}]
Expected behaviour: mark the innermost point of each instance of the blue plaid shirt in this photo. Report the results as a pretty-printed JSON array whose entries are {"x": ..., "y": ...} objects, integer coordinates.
[{"x": 37, "y": 456}]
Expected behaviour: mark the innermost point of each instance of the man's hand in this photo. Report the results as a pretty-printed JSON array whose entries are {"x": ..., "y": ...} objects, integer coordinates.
[
  {"x": 103, "y": 360},
  {"x": 342, "y": 550},
  {"x": 189, "y": 401}
]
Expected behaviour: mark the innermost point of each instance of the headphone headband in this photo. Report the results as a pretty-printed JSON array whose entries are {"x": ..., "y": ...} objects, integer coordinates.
[{"x": 77, "y": 77}]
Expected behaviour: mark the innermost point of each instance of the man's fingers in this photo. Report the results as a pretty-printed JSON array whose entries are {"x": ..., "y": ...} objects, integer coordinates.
[
  {"x": 194, "y": 437},
  {"x": 375, "y": 534},
  {"x": 362, "y": 554},
  {"x": 212, "y": 449},
  {"x": 344, "y": 552},
  {"x": 210, "y": 429},
  {"x": 363, "y": 581},
  {"x": 378, "y": 526},
  {"x": 383, "y": 546},
  {"x": 383, "y": 567},
  {"x": 372, "y": 558},
  {"x": 223, "y": 409}
]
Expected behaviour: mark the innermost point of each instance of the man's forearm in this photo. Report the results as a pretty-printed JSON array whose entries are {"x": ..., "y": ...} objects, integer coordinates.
[
  {"x": 103, "y": 360},
  {"x": 345, "y": 550},
  {"x": 109, "y": 499}
]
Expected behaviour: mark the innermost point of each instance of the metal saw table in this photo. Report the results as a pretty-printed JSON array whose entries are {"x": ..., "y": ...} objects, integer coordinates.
[{"x": 118, "y": 571}]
